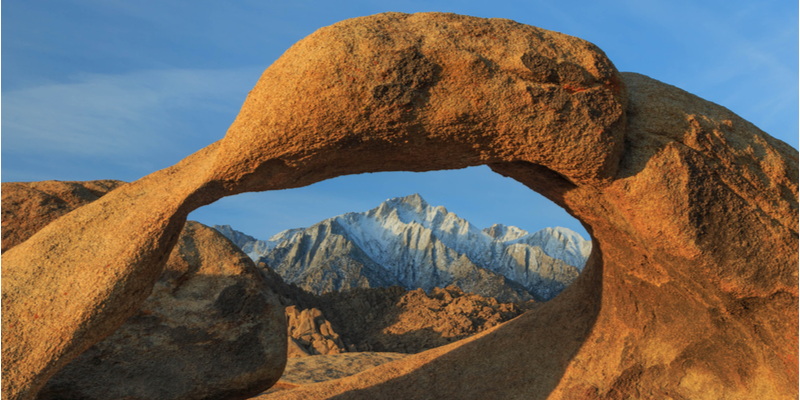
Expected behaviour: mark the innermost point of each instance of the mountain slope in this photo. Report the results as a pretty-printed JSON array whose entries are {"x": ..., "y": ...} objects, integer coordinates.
[{"x": 404, "y": 241}]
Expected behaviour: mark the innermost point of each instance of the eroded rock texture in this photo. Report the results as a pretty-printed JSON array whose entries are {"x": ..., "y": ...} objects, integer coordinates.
[
  {"x": 210, "y": 328},
  {"x": 389, "y": 319},
  {"x": 691, "y": 289},
  {"x": 311, "y": 334},
  {"x": 30, "y": 206}
]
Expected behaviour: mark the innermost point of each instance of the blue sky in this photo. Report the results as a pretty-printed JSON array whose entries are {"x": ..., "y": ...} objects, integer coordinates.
[{"x": 118, "y": 89}]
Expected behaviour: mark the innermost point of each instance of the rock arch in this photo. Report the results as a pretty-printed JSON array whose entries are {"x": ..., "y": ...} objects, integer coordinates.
[{"x": 691, "y": 289}]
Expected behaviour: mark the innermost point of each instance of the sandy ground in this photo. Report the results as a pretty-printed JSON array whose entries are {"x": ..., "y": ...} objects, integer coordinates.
[{"x": 307, "y": 370}]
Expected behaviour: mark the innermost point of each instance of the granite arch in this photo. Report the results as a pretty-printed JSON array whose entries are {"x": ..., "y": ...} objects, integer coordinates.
[{"x": 677, "y": 299}]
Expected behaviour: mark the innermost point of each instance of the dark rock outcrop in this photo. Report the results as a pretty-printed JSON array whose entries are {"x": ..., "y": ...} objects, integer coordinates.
[{"x": 210, "y": 329}]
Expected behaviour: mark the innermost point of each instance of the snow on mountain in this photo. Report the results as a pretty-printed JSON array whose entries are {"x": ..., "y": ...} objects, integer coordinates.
[
  {"x": 561, "y": 243},
  {"x": 251, "y": 246},
  {"x": 504, "y": 233},
  {"x": 407, "y": 242}
]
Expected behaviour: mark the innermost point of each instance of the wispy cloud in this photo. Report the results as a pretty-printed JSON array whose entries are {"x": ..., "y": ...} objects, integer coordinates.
[{"x": 118, "y": 115}]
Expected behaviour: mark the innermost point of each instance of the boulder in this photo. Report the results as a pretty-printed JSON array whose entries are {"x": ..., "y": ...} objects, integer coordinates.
[
  {"x": 82, "y": 276},
  {"x": 311, "y": 334},
  {"x": 210, "y": 329},
  {"x": 691, "y": 287}
]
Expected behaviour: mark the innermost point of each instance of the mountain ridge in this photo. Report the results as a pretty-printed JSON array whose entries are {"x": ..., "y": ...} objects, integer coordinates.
[{"x": 407, "y": 242}]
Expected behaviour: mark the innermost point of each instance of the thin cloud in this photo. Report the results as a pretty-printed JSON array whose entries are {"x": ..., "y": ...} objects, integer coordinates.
[{"x": 117, "y": 115}]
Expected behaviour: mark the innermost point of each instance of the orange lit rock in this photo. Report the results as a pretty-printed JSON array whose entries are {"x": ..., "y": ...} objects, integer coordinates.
[
  {"x": 29, "y": 206},
  {"x": 211, "y": 327},
  {"x": 310, "y": 333},
  {"x": 691, "y": 289}
]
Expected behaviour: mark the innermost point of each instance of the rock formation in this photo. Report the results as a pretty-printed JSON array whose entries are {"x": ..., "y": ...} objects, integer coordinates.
[
  {"x": 311, "y": 334},
  {"x": 691, "y": 287},
  {"x": 210, "y": 328},
  {"x": 29, "y": 206},
  {"x": 385, "y": 319},
  {"x": 678, "y": 299},
  {"x": 397, "y": 320}
]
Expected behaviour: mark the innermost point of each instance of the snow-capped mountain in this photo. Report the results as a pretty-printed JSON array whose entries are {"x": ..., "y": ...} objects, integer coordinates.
[
  {"x": 407, "y": 242},
  {"x": 251, "y": 246}
]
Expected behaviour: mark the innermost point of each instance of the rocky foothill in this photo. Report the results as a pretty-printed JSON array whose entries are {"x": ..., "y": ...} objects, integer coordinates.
[
  {"x": 402, "y": 321},
  {"x": 385, "y": 319}
]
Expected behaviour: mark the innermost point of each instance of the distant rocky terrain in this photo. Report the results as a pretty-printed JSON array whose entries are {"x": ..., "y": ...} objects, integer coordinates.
[
  {"x": 397, "y": 320},
  {"x": 409, "y": 243},
  {"x": 390, "y": 319}
]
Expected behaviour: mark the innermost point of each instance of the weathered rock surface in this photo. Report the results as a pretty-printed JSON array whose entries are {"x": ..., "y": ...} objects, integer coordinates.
[
  {"x": 210, "y": 329},
  {"x": 385, "y": 319},
  {"x": 309, "y": 370},
  {"x": 29, "y": 206},
  {"x": 678, "y": 300},
  {"x": 691, "y": 288},
  {"x": 311, "y": 334},
  {"x": 81, "y": 277},
  {"x": 397, "y": 320}
]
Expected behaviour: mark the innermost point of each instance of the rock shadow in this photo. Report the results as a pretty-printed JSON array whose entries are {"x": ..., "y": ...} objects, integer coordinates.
[{"x": 547, "y": 339}]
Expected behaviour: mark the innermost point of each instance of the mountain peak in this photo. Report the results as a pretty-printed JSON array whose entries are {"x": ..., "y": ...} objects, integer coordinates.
[
  {"x": 410, "y": 208},
  {"x": 504, "y": 233},
  {"x": 414, "y": 200}
]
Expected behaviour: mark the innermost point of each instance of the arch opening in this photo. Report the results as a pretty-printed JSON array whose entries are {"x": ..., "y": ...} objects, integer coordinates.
[{"x": 413, "y": 230}]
